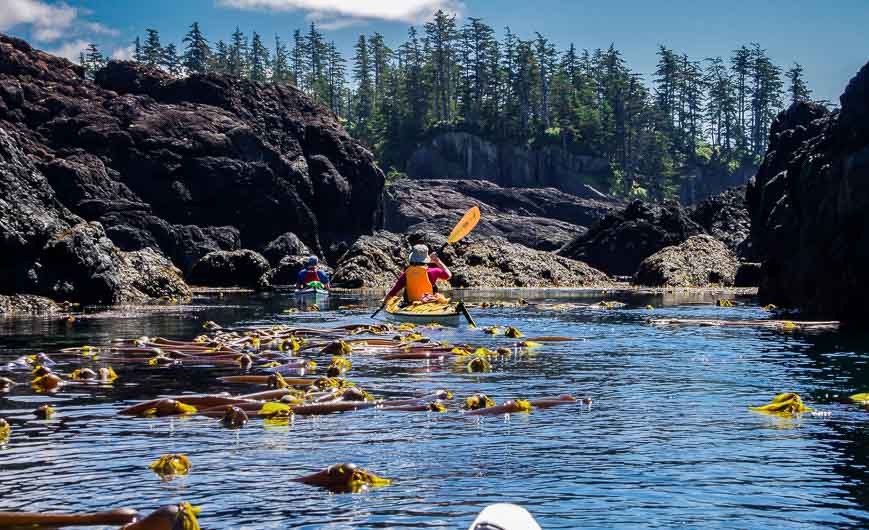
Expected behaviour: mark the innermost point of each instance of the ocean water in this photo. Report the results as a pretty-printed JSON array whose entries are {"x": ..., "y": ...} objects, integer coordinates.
[{"x": 668, "y": 442}]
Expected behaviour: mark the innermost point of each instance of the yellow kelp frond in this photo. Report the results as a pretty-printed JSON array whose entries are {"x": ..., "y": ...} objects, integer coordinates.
[
  {"x": 273, "y": 364},
  {"x": 201, "y": 339},
  {"x": 186, "y": 519},
  {"x": 107, "y": 374},
  {"x": 325, "y": 383},
  {"x": 770, "y": 307},
  {"x": 787, "y": 325},
  {"x": 860, "y": 398},
  {"x": 212, "y": 325},
  {"x": 348, "y": 478},
  {"x": 168, "y": 407},
  {"x": 523, "y": 405},
  {"x": 407, "y": 326},
  {"x": 784, "y": 404},
  {"x": 479, "y": 364},
  {"x": 493, "y": 330},
  {"x": 313, "y": 308},
  {"x": 513, "y": 333},
  {"x": 460, "y": 351},
  {"x": 83, "y": 374},
  {"x": 40, "y": 371},
  {"x": 341, "y": 364},
  {"x": 46, "y": 383},
  {"x": 276, "y": 410},
  {"x": 530, "y": 344},
  {"x": 650, "y": 307},
  {"x": 168, "y": 466},
  {"x": 5, "y": 430},
  {"x": 437, "y": 406},
  {"x": 338, "y": 347},
  {"x": 477, "y": 401},
  {"x": 413, "y": 337},
  {"x": 609, "y": 304},
  {"x": 276, "y": 380},
  {"x": 44, "y": 412},
  {"x": 723, "y": 302}
]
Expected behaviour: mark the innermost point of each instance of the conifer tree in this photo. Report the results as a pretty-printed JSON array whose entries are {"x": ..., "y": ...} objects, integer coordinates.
[
  {"x": 364, "y": 91},
  {"x": 138, "y": 56},
  {"x": 297, "y": 60},
  {"x": 237, "y": 57},
  {"x": 797, "y": 88},
  {"x": 94, "y": 59},
  {"x": 220, "y": 60},
  {"x": 197, "y": 54},
  {"x": 152, "y": 51},
  {"x": 170, "y": 60},
  {"x": 280, "y": 63},
  {"x": 258, "y": 60}
]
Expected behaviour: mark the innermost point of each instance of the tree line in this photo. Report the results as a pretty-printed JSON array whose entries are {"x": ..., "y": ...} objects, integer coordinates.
[{"x": 653, "y": 128}]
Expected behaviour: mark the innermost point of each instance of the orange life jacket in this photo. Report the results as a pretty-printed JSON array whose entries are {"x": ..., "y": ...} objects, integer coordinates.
[{"x": 417, "y": 283}]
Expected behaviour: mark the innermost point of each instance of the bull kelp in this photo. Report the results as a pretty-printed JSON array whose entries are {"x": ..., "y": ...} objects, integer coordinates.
[{"x": 260, "y": 406}]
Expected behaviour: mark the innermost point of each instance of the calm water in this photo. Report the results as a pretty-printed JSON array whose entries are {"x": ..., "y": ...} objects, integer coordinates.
[{"x": 668, "y": 443}]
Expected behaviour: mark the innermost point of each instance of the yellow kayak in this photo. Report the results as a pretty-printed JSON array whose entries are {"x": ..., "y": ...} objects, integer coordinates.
[{"x": 449, "y": 314}]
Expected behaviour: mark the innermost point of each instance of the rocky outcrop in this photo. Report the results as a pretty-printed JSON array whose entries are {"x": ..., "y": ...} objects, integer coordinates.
[
  {"x": 376, "y": 262},
  {"x": 725, "y": 217},
  {"x": 540, "y": 218},
  {"x": 700, "y": 261},
  {"x": 187, "y": 166},
  {"x": 621, "y": 240},
  {"x": 454, "y": 155},
  {"x": 226, "y": 269},
  {"x": 809, "y": 205},
  {"x": 284, "y": 245},
  {"x": 27, "y": 305}
]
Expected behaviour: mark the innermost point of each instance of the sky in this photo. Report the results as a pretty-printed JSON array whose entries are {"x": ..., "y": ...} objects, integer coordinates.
[{"x": 828, "y": 37}]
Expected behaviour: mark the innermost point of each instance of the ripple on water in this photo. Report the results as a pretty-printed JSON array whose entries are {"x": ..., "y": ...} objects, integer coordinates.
[{"x": 668, "y": 442}]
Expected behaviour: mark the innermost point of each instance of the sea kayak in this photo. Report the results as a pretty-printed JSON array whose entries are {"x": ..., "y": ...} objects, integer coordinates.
[
  {"x": 311, "y": 292},
  {"x": 450, "y": 314}
]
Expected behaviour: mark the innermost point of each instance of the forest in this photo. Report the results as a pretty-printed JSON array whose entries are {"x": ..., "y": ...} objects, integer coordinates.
[{"x": 654, "y": 128}]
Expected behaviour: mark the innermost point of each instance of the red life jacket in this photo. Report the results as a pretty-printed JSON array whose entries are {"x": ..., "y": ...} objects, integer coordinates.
[{"x": 311, "y": 276}]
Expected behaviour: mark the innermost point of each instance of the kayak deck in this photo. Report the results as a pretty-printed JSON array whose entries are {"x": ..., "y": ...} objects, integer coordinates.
[{"x": 446, "y": 314}]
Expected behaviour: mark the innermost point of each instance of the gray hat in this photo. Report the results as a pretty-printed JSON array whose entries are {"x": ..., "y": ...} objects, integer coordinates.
[
  {"x": 312, "y": 261},
  {"x": 419, "y": 254}
]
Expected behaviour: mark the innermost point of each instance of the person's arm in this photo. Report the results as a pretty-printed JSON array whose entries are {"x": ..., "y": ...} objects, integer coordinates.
[
  {"x": 440, "y": 264},
  {"x": 324, "y": 279},
  {"x": 399, "y": 285},
  {"x": 300, "y": 279}
]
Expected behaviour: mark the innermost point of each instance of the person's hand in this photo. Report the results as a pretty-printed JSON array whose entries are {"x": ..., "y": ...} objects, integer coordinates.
[{"x": 433, "y": 257}]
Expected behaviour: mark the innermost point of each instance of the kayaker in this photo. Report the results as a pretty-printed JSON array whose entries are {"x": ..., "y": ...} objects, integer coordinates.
[
  {"x": 311, "y": 277},
  {"x": 419, "y": 280}
]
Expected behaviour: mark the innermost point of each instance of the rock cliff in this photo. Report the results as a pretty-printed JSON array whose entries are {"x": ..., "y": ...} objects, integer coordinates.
[{"x": 809, "y": 205}]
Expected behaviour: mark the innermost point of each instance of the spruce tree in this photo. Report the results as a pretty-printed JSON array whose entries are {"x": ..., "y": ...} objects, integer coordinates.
[
  {"x": 297, "y": 60},
  {"x": 797, "y": 88},
  {"x": 170, "y": 60},
  {"x": 280, "y": 63},
  {"x": 94, "y": 60},
  {"x": 138, "y": 56},
  {"x": 152, "y": 51},
  {"x": 258, "y": 59},
  {"x": 237, "y": 57},
  {"x": 220, "y": 60},
  {"x": 197, "y": 54},
  {"x": 364, "y": 91}
]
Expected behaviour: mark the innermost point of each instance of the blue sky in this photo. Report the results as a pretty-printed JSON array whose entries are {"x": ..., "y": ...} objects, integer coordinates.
[{"x": 830, "y": 38}]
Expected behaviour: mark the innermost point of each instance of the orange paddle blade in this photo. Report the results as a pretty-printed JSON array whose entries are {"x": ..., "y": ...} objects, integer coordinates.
[{"x": 464, "y": 227}]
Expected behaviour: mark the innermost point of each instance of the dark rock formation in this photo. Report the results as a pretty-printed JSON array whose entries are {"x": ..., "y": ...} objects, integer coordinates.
[
  {"x": 376, "y": 262},
  {"x": 153, "y": 275},
  {"x": 621, "y": 240},
  {"x": 189, "y": 166},
  {"x": 284, "y": 245},
  {"x": 463, "y": 155},
  {"x": 809, "y": 207},
  {"x": 286, "y": 272},
  {"x": 224, "y": 269},
  {"x": 540, "y": 218},
  {"x": 700, "y": 261},
  {"x": 725, "y": 217},
  {"x": 27, "y": 304},
  {"x": 749, "y": 274}
]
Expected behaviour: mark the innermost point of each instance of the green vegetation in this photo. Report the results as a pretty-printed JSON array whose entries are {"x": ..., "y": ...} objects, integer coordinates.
[{"x": 713, "y": 114}]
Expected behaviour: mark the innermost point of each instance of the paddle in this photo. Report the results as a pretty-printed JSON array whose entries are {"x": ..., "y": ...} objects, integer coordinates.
[{"x": 462, "y": 228}]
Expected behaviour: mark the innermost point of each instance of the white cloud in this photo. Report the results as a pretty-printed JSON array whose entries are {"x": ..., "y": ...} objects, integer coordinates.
[
  {"x": 410, "y": 11},
  {"x": 123, "y": 54},
  {"x": 70, "y": 50},
  {"x": 50, "y": 21}
]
